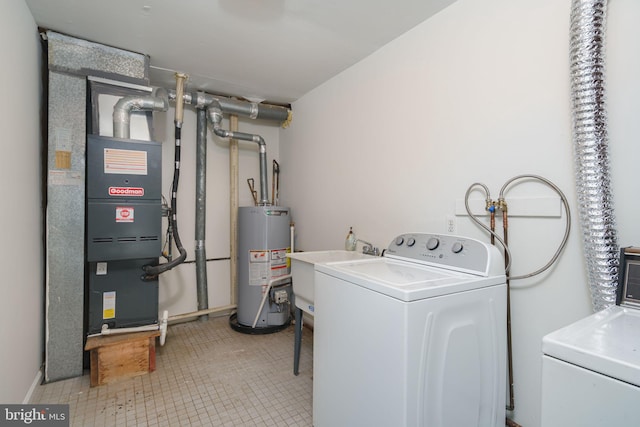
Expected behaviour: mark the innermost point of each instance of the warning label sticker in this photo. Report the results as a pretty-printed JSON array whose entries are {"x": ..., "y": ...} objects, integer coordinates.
[
  {"x": 258, "y": 267},
  {"x": 131, "y": 162},
  {"x": 124, "y": 214},
  {"x": 109, "y": 305},
  {"x": 279, "y": 265},
  {"x": 266, "y": 265}
]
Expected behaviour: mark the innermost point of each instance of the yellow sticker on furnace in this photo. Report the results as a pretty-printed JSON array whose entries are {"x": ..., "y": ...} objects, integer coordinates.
[{"x": 109, "y": 305}]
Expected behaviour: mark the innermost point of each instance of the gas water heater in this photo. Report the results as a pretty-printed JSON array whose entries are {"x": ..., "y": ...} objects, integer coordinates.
[{"x": 264, "y": 280}]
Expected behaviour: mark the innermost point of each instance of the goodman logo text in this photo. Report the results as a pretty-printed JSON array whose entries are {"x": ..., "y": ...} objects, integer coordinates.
[{"x": 126, "y": 191}]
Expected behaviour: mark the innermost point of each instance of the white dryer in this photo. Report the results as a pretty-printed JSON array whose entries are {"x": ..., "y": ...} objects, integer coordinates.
[
  {"x": 414, "y": 338},
  {"x": 591, "y": 368}
]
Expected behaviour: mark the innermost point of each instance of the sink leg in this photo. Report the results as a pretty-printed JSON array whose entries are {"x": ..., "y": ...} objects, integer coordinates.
[{"x": 297, "y": 341}]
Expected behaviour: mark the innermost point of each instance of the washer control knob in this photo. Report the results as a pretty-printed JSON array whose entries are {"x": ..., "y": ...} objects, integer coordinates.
[
  {"x": 432, "y": 243},
  {"x": 399, "y": 240},
  {"x": 411, "y": 241},
  {"x": 457, "y": 248}
]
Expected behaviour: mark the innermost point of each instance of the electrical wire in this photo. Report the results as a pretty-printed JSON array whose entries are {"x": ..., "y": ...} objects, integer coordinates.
[
  {"x": 152, "y": 271},
  {"x": 167, "y": 245}
]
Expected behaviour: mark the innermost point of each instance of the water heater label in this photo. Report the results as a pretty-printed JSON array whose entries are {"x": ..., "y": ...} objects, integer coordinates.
[
  {"x": 124, "y": 214},
  {"x": 258, "y": 268},
  {"x": 126, "y": 191},
  {"x": 109, "y": 305},
  {"x": 266, "y": 265},
  {"x": 279, "y": 264},
  {"x": 129, "y": 162}
]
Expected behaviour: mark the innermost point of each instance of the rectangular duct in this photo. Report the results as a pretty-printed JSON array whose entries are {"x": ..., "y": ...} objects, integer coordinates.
[{"x": 70, "y": 61}]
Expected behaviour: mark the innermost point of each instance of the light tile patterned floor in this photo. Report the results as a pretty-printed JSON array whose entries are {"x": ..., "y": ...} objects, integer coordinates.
[{"x": 207, "y": 375}]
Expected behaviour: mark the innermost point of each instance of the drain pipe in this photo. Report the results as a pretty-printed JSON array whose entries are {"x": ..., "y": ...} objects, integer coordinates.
[
  {"x": 157, "y": 101},
  {"x": 201, "y": 191},
  {"x": 161, "y": 326},
  {"x": 215, "y": 117},
  {"x": 590, "y": 138}
]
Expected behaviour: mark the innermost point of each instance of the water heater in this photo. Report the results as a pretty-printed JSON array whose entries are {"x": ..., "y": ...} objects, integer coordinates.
[{"x": 263, "y": 243}]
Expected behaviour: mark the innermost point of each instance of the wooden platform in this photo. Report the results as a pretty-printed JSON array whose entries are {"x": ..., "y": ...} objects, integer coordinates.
[{"x": 119, "y": 356}]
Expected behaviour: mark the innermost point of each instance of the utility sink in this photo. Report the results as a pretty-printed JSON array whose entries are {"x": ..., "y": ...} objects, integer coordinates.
[{"x": 302, "y": 271}]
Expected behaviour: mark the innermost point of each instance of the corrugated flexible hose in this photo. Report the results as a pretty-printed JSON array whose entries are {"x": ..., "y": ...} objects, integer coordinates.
[{"x": 590, "y": 139}]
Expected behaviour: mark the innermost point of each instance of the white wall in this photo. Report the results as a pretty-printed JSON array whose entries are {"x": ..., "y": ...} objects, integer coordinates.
[
  {"x": 623, "y": 76},
  {"x": 478, "y": 93},
  {"x": 21, "y": 288}
]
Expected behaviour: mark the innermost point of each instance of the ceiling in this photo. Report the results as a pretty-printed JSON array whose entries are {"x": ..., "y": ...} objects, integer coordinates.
[{"x": 274, "y": 50}]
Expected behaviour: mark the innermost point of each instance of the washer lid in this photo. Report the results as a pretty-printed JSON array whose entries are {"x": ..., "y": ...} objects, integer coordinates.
[
  {"x": 406, "y": 281},
  {"x": 607, "y": 342}
]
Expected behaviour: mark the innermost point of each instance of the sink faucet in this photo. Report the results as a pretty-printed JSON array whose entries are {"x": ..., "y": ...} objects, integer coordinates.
[{"x": 368, "y": 248}]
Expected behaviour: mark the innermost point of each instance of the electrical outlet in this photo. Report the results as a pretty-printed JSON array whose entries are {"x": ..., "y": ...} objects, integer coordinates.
[{"x": 450, "y": 225}]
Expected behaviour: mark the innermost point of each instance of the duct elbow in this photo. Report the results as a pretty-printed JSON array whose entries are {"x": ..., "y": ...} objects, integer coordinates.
[
  {"x": 159, "y": 101},
  {"x": 214, "y": 114},
  {"x": 262, "y": 145}
]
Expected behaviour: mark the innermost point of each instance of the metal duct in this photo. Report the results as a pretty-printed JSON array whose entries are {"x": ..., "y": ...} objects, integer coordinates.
[
  {"x": 69, "y": 61},
  {"x": 158, "y": 101},
  {"x": 252, "y": 110},
  {"x": 587, "y": 45},
  {"x": 215, "y": 117},
  {"x": 201, "y": 203}
]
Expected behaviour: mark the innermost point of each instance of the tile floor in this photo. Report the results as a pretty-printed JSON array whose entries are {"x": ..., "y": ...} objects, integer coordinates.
[{"x": 207, "y": 375}]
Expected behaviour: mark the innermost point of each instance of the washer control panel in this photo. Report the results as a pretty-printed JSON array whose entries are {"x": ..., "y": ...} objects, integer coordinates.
[{"x": 444, "y": 250}]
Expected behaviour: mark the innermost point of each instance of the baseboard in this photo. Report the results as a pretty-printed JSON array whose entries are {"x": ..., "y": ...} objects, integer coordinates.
[{"x": 36, "y": 382}]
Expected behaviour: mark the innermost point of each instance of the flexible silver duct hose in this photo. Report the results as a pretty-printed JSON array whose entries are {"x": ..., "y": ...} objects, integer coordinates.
[{"x": 595, "y": 205}]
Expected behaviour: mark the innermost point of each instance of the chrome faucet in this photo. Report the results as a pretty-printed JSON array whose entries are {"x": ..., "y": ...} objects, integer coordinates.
[{"x": 368, "y": 248}]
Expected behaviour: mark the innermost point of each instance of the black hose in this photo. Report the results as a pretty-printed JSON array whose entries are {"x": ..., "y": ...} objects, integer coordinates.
[{"x": 152, "y": 271}]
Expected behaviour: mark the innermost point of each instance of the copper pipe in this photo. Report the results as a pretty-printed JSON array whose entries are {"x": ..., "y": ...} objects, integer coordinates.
[
  {"x": 505, "y": 227},
  {"x": 493, "y": 225}
]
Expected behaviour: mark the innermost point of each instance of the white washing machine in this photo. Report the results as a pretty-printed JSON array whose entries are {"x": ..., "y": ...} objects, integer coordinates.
[
  {"x": 416, "y": 337},
  {"x": 591, "y": 368}
]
